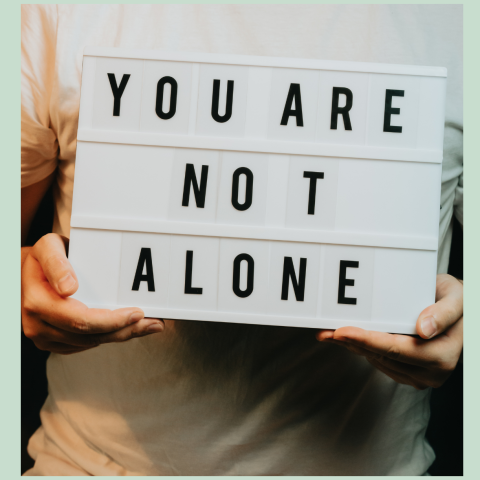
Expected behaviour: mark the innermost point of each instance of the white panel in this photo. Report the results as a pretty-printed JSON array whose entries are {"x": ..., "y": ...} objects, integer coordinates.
[
  {"x": 357, "y": 83},
  {"x": 259, "y": 84},
  {"x": 95, "y": 258},
  {"x": 257, "y": 301},
  {"x": 192, "y": 212},
  {"x": 432, "y": 112},
  {"x": 361, "y": 290},
  {"x": 132, "y": 245},
  {"x": 235, "y": 126},
  {"x": 398, "y": 198},
  {"x": 407, "y": 118},
  {"x": 299, "y": 187},
  {"x": 88, "y": 92},
  {"x": 258, "y": 164},
  {"x": 129, "y": 114},
  {"x": 192, "y": 124},
  {"x": 282, "y": 79},
  {"x": 277, "y": 189},
  {"x": 129, "y": 181},
  {"x": 293, "y": 307},
  {"x": 204, "y": 272},
  {"x": 377, "y": 203},
  {"x": 401, "y": 275},
  {"x": 182, "y": 74}
]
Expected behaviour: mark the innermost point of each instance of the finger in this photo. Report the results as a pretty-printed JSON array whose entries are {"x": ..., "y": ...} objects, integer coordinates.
[
  {"x": 398, "y": 367},
  {"x": 140, "y": 329},
  {"x": 50, "y": 252},
  {"x": 72, "y": 315},
  {"x": 398, "y": 377},
  {"x": 74, "y": 340},
  {"x": 447, "y": 310},
  {"x": 324, "y": 334},
  {"x": 402, "y": 348}
]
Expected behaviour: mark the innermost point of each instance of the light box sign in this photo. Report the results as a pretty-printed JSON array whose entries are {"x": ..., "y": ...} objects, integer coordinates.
[{"x": 258, "y": 190}]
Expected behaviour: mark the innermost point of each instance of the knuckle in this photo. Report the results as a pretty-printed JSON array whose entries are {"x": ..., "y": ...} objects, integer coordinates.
[
  {"x": 29, "y": 331},
  {"x": 450, "y": 312},
  {"x": 43, "y": 346},
  {"x": 49, "y": 238},
  {"x": 447, "y": 365},
  {"x": 393, "y": 352},
  {"x": 28, "y": 303},
  {"x": 419, "y": 386},
  {"x": 81, "y": 325},
  {"x": 136, "y": 333},
  {"x": 44, "y": 241},
  {"x": 56, "y": 263}
]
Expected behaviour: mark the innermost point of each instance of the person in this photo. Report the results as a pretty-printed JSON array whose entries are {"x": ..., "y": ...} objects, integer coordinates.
[{"x": 207, "y": 398}]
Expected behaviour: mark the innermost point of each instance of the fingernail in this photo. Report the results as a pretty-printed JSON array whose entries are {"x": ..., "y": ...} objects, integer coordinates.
[
  {"x": 135, "y": 317},
  {"x": 155, "y": 327},
  {"x": 429, "y": 326},
  {"x": 66, "y": 283}
]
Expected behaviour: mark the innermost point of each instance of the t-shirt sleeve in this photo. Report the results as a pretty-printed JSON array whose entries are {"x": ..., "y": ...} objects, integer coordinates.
[
  {"x": 458, "y": 202},
  {"x": 39, "y": 144}
]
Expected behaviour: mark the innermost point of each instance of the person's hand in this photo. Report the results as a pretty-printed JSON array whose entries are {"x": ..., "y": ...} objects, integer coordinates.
[
  {"x": 64, "y": 325},
  {"x": 420, "y": 362}
]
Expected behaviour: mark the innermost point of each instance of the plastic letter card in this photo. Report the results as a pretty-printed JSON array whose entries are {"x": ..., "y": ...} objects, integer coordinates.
[{"x": 258, "y": 190}]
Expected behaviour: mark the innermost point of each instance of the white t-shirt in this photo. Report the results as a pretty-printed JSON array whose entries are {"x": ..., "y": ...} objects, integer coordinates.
[{"x": 211, "y": 398}]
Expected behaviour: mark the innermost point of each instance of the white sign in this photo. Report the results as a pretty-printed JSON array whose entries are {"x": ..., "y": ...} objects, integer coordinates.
[{"x": 258, "y": 190}]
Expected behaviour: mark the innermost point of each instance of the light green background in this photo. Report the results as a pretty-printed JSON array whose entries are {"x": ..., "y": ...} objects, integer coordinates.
[{"x": 10, "y": 232}]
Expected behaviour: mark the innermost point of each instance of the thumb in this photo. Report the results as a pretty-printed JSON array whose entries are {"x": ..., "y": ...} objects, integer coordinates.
[
  {"x": 447, "y": 310},
  {"x": 50, "y": 252}
]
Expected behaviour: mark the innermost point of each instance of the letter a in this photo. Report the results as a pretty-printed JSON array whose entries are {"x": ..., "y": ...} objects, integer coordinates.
[
  {"x": 145, "y": 259},
  {"x": 293, "y": 93}
]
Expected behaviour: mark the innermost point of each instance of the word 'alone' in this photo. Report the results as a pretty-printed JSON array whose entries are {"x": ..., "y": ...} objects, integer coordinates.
[{"x": 145, "y": 264}]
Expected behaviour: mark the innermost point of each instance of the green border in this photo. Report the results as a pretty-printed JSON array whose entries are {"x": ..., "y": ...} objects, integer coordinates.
[{"x": 10, "y": 238}]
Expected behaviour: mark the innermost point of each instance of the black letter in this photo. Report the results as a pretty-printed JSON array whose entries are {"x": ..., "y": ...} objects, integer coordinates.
[
  {"x": 215, "y": 97},
  {"x": 191, "y": 179},
  {"x": 173, "y": 98},
  {"x": 336, "y": 110},
  {"x": 293, "y": 92},
  {"x": 389, "y": 111},
  {"x": 188, "y": 276},
  {"x": 312, "y": 192},
  {"x": 236, "y": 275},
  {"x": 343, "y": 282},
  {"x": 289, "y": 272},
  {"x": 117, "y": 91},
  {"x": 248, "y": 188},
  {"x": 144, "y": 259}
]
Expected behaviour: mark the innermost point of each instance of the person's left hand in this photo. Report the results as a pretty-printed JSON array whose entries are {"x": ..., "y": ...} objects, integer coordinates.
[{"x": 420, "y": 362}]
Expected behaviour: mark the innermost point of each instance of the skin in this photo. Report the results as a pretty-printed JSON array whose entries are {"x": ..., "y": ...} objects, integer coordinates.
[
  {"x": 60, "y": 324},
  {"x": 50, "y": 318},
  {"x": 420, "y": 362}
]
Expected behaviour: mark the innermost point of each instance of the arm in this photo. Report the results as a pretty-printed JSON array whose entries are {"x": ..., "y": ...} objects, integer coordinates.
[{"x": 50, "y": 318}]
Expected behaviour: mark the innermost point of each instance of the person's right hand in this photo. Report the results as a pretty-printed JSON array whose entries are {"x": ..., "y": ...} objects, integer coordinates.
[{"x": 64, "y": 325}]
